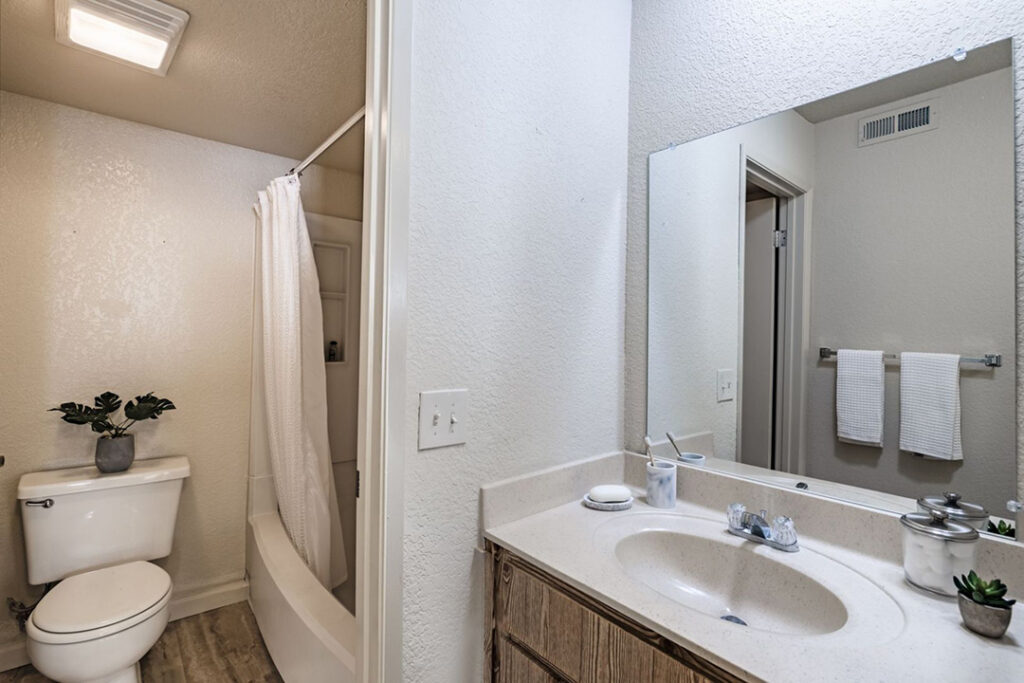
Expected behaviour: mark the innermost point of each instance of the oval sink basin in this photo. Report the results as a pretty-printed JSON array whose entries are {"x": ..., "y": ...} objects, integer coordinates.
[
  {"x": 696, "y": 563},
  {"x": 721, "y": 580}
]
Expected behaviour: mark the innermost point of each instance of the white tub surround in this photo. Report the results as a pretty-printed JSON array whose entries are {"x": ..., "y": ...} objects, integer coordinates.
[
  {"x": 310, "y": 635},
  {"x": 917, "y": 635}
]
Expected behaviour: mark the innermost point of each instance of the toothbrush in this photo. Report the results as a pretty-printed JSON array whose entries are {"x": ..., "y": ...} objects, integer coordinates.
[
  {"x": 650, "y": 449},
  {"x": 672, "y": 440}
]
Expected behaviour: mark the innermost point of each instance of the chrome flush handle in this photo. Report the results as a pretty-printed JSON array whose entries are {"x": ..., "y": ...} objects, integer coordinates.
[{"x": 45, "y": 503}]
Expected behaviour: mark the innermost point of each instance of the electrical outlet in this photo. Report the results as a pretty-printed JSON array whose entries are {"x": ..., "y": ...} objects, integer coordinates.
[
  {"x": 726, "y": 385},
  {"x": 443, "y": 418}
]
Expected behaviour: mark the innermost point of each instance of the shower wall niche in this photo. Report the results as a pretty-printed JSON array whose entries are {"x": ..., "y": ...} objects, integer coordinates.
[{"x": 332, "y": 267}]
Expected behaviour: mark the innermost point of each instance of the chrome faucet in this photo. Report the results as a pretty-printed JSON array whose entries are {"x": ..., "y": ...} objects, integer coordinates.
[{"x": 780, "y": 534}]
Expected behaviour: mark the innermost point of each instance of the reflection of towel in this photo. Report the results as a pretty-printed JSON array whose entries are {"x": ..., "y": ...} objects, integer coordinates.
[
  {"x": 860, "y": 396},
  {"x": 930, "y": 405}
]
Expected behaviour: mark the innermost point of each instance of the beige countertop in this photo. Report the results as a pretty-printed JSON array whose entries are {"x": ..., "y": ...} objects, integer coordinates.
[{"x": 931, "y": 644}]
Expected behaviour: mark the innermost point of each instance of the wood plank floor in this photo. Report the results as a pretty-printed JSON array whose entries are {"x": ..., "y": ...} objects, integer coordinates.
[{"x": 223, "y": 645}]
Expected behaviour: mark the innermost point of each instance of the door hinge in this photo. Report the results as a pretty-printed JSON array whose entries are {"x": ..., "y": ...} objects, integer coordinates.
[
  {"x": 357, "y": 483},
  {"x": 779, "y": 238}
]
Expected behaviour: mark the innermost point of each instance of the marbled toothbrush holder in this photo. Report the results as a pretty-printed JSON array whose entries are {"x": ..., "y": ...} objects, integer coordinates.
[{"x": 661, "y": 484}]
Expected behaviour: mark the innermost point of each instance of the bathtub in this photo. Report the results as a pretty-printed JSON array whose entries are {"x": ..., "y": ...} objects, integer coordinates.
[{"x": 311, "y": 637}]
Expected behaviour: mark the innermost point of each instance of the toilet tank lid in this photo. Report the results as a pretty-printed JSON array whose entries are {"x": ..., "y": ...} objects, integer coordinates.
[{"x": 79, "y": 479}]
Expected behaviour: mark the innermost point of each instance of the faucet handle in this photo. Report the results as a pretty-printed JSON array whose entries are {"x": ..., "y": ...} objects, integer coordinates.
[
  {"x": 735, "y": 513},
  {"x": 784, "y": 531}
]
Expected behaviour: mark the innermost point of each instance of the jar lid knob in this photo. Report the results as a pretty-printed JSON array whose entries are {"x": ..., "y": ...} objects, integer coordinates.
[{"x": 939, "y": 517}]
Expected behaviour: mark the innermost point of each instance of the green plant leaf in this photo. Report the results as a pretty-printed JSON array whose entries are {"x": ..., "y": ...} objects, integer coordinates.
[
  {"x": 108, "y": 401},
  {"x": 994, "y": 593},
  {"x": 148, "y": 407},
  {"x": 78, "y": 414}
]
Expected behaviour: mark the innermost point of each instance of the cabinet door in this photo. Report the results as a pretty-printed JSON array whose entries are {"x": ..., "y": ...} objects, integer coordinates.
[
  {"x": 516, "y": 667},
  {"x": 611, "y": 655},
  {"x": 542, "y": 619},
  {"x": 669, "y": 670}
]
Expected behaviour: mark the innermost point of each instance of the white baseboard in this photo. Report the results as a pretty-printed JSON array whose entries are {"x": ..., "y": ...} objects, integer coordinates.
[
  {"x": 195, "y": 601},
  {"x": 206, "y": 598}
]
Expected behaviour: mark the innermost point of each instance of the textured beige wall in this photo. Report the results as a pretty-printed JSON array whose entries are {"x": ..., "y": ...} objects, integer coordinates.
[{"x": 127, "y": 265}]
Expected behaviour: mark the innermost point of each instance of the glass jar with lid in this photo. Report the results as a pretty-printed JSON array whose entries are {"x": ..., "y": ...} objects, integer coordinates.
[{"x": 935, "y": 549}]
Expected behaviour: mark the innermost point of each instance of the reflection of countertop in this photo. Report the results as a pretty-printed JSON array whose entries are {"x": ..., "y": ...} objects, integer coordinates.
[
  {"x": 822, "y": 487},
  {"x": 932, "y": 644}
]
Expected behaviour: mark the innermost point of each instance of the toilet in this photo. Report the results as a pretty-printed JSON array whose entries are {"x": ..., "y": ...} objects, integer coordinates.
[{"x": 95, "y": 533}]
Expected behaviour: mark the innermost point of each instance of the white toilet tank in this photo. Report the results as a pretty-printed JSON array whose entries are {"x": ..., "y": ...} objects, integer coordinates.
[{"x": 79, "y": 519}]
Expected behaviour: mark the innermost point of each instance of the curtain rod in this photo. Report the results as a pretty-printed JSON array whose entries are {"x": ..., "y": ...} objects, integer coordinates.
[{"x": 353, "y": 120}]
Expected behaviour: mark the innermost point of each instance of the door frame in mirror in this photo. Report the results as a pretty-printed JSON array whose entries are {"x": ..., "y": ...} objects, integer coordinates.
[{"x": 793, "y": 342}]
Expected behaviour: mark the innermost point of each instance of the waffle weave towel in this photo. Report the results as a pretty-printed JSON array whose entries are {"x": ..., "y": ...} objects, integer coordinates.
[
  {"x": 930, "y": 405},
  {"x": 860, "y": 396}
]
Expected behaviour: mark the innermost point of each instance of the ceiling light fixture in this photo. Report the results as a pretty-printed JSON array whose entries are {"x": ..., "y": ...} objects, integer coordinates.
[{"x": 141, "y": 33}]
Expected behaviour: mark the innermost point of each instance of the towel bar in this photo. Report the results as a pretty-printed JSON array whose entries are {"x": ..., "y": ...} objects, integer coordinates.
[{"x": 990, "y": 360}]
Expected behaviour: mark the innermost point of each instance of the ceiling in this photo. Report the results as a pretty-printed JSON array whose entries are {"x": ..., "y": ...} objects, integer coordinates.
[
  {"x": 271, "y": 75},
  {"x": 909, "y": 83}
]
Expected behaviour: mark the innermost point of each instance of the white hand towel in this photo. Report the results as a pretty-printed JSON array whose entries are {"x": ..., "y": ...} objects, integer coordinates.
[
  {"x": 860, "y": 396},
  {"x": 930, "y": 405}
]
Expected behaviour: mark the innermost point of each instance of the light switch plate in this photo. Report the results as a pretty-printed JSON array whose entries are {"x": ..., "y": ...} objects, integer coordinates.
[
  {"x": 726, "y": 385},
  {"x": 443, "y": 418}
]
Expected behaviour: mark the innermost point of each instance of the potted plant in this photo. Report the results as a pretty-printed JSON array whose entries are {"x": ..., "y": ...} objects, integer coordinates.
[
  {"x": 115, "y": 448},
  {"x": 1003, "y": 529},
  {"x": 983, "y": 605}
]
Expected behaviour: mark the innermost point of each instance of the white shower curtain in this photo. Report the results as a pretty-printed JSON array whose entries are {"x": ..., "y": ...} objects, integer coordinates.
[{"x": 288, "y": 335}]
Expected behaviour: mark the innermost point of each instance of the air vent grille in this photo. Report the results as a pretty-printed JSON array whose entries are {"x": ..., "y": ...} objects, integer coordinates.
[
  {"x": 897, "y": 123},
  {"x": 879, "y": 128},
  {"x": 915, "y": 118}
]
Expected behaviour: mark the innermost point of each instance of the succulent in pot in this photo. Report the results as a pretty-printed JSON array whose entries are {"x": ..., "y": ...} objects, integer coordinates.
[
  {"x": 115, "y": 448},
  {"x": 1002, "y": 529},
  {"x": 983, "y": 605}
]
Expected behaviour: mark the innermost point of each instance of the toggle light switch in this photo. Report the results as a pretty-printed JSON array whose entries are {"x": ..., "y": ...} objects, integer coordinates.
[
  {"x": 443, "y": 418},
  {"x": 726, "y": 385}
]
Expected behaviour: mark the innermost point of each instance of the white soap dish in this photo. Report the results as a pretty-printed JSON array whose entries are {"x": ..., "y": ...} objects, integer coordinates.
[{"x": 608, "y": 507}]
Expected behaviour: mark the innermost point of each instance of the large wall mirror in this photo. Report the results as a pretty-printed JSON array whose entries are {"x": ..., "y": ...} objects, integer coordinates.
[{"x": 793, "y": 261}]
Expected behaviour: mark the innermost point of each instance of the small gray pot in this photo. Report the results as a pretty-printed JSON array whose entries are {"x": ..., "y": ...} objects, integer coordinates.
[
  {"x": 984, "y": 619},
  {"x": 115, "y": 454}
]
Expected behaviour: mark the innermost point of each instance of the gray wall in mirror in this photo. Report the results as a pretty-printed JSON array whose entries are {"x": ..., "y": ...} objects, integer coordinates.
[{"x": 683, "y": 90}]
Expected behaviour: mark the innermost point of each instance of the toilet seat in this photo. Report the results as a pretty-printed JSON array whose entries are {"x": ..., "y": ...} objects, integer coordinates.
[{"x": 99, "y": 603}]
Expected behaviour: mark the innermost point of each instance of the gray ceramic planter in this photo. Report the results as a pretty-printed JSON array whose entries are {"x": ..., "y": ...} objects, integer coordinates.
[
  {"x": 115, "y": 454},
  {"x": 983, "y": 619}
]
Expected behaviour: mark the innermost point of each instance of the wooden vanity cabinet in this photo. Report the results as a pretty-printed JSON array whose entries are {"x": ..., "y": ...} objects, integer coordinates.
[{"x": 541, "y": 629}]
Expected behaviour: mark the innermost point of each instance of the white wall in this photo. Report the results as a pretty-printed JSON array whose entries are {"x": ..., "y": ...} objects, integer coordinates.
[
  {"x": 127, "y": 265},
  {"x": 694, "y": 286},
  {"x": 515, "y": 285},
  {"x": 702, "y": 66},
  {"x": 913, "y": 250}
]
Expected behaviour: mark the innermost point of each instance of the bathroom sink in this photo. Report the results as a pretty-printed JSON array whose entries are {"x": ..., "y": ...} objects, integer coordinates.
[{"x": 695, "y": 563}]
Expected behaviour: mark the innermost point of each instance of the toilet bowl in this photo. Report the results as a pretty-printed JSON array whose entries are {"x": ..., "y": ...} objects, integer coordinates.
[{"x": 94, "y": 627}]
